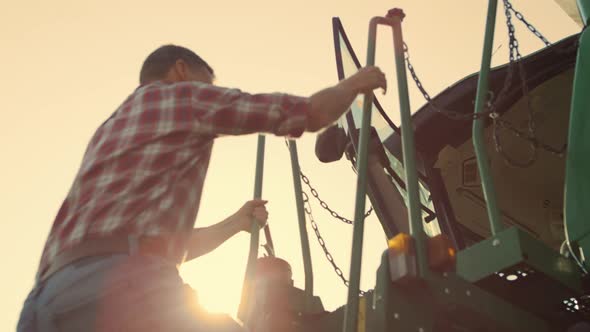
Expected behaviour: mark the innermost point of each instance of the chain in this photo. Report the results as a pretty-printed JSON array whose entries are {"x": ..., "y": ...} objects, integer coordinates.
[
  {"x": 314, "y": 225},
  {"x": 322, "y": 242},
  {"x": 323, "y": 204},
  {"x": 453, "y": 115},
  {"x": 519, "y": 16},
  {"x": 515, "y": 61},
  {"x": 508, "y": 126}
]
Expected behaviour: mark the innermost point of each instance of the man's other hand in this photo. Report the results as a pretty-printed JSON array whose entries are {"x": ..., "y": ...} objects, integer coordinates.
[{"x": 254, "y": 209}]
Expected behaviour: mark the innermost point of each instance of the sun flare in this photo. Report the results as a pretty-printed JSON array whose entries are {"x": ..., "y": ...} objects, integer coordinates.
[{"x": 217, "y": 280}]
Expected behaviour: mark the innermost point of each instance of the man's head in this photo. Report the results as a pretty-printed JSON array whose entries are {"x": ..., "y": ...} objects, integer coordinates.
[{"x": 173, "y": 63}]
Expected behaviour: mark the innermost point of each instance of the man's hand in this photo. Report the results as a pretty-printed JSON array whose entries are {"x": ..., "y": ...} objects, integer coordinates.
[
  {"x": 203, "y": 240},
  {"x": 329, "y": 104},
  {"x": 254, "y": 209},
  {"x": 366, "y": 80}
]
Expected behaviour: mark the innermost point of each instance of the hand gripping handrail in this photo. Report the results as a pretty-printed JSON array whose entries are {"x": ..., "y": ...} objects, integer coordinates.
[
  {"x": 393, "y": 19},
  {"x": 245, "y": 303}
]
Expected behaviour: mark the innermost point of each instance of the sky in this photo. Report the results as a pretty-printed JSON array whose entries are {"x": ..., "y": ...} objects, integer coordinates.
[{"x": 68, "y": 64}]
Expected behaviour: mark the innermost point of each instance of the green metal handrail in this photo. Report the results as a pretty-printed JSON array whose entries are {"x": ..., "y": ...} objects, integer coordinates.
[
  {"x": 305, "y": 251},
  {"x": 478, "y": 124},
  {"x": 245, "y": 303},
  {"x": 584, "y": 9},
  {"x": 393, "y": 20},
  {"x": 409, "y": 148},
  {"x": 351, "y": 311}
]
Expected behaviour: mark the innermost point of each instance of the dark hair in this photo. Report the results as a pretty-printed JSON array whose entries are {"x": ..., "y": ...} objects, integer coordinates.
[{"x": 157, "y": 64}]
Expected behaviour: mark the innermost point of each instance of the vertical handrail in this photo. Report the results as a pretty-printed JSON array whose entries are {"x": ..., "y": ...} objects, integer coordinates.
[
  {"x": 584, "y": 10},
  {"x": 351, "y": 312},
  {"x": 305, "y": 251},
  {"x": 577, "y": 184},
  {"x": 245, "y": 303},
  {"x": 408, "y": 145},
  {"x": 478, "y": 124}
]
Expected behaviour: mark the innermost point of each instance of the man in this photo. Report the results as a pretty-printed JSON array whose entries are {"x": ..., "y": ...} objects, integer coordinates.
[{"x": 110, "y": 261}]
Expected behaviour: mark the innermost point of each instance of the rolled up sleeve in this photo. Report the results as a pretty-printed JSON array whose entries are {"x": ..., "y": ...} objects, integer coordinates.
[{"x": 222, "y": 111}]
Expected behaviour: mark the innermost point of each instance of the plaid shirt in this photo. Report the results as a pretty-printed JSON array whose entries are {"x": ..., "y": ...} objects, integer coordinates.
[{"x": 143, "y": 170}]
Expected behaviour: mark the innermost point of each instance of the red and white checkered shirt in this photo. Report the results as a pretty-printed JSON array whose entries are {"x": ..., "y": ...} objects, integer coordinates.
[{"x": 143, "y": 170}]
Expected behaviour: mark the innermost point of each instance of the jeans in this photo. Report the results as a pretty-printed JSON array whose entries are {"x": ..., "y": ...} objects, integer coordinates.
[{"x": 117, "y": 293}]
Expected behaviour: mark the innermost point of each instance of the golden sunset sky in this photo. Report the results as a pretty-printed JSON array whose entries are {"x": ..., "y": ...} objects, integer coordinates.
[{"x": 67, "y": 65}]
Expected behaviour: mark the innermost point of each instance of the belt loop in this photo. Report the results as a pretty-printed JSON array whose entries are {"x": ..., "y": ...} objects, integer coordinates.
[{"x": 133, "y": 244}]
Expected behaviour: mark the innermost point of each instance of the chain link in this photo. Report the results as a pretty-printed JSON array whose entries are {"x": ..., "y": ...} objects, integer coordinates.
[
  {"x": 515, "y": 59},
  {"x": 514, "y": 64},
  {"x": 322, "y": 242},
  {"x": 531, "y": 28},
  {"x": 314, "y": 225},
  {"x": 323, "y": 204},
  {"x": 453, "y": 115}
]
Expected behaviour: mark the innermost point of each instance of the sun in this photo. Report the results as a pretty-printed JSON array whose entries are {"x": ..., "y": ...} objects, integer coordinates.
[{"x": 217, "y": 279}]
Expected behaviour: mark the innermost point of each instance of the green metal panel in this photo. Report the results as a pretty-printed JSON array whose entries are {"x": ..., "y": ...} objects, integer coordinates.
[
  {"x": 399, "y": 310},
  {"x": 511, "y": 247},
  {"x": 380, "y": 300},
  {"x": 452, "y": 290},
  {"x": 444, "y": 303},
  {"x": 516, "y": 267},
  {"x": 577, "y": 181},
  {"x": 487, "y": 181}
]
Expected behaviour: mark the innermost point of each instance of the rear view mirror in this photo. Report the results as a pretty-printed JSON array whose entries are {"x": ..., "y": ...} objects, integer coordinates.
[{"x": 330, "y": 144}]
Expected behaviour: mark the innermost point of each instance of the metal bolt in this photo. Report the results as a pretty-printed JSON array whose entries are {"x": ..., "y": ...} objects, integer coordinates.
[
  {"x": 445, "y": 274},
  {"x": 468, "y": 293},
  {"x": 420, "y": 329},
  {"x": 496, "y": 242},
  {"x": 447, "y": 291},
  {"x": 396, "y": 315},
  {"x": 396, "y": 12}
]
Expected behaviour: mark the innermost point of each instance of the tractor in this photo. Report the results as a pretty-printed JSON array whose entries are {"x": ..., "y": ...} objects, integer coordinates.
[{"x": 483, "y": 193}]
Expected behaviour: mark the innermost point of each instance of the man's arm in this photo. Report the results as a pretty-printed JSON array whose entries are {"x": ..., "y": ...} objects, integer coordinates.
[
  {"x": 329, "y": 104},
  {"x": 211, "y": 110},
  {"x": 206, "y": 239}
]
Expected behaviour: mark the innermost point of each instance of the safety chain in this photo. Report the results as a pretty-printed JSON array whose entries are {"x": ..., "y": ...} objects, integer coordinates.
[
  {"x": 519, "y": 16},
  {"x": 453, "y": 115},
  {"x": 314, "y": 225},
  {"x": 322, "y": 242},
  {"x": 515, "y": 60},
  {"x": 323, "y": 204}
]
